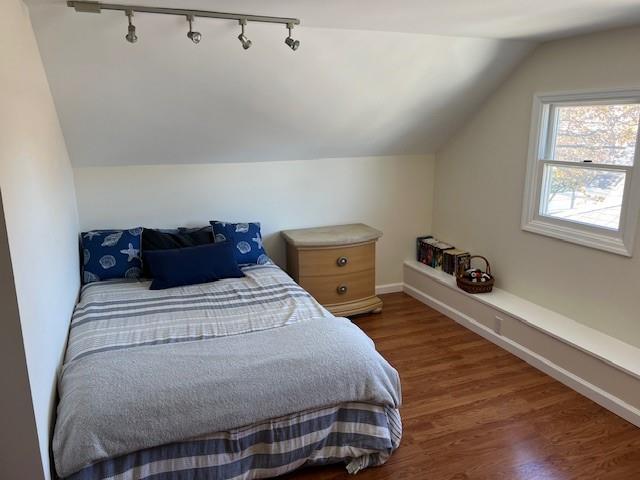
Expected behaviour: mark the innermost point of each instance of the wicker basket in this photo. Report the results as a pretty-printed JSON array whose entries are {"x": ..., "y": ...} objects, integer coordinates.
[{"x": 476, "y": 287}]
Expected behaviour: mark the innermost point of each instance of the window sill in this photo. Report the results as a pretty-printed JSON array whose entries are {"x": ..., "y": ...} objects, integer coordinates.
[{"x": 579, "y": 237}]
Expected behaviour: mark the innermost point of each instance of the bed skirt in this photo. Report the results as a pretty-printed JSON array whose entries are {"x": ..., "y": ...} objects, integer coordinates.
[{"x": 357, "y": 434}]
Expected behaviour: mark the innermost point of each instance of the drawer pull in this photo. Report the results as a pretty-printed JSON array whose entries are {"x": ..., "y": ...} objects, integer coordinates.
[
  {"x": 342, "y": 289},
  {"x": 342, "y": 261}
]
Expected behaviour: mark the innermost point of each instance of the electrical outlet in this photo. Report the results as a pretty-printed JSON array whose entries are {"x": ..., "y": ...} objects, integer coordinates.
[{"x": 497, "y": 325}]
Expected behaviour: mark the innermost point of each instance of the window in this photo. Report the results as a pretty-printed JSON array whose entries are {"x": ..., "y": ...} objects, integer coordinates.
[{"x": 581, "y": 183}]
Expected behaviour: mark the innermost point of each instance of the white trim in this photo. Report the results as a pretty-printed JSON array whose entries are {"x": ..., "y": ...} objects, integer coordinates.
[
  {"x": 605, "y": 348},
  {"x": 389, "y": 288},
  {"x": 580, "y": 385},
  {"x": 579, "y": 237},
  {"x": 593, "y": 166},
  {"x": 591, "y": 95},
  {"x": 620, "y": 241}
]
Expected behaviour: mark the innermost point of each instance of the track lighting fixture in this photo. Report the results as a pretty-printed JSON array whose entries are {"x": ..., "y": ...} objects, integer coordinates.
[
  {"x": 195, "y": 37},
  {"x": 86, "y": 6},
  {"x": 131, "y": 33},
  {"x": 293, "y": 44},
  {"x": 246, "y": 43}
]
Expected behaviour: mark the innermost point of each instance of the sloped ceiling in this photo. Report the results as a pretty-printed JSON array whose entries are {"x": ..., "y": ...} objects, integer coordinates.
[{"x": 369, "y": 78}]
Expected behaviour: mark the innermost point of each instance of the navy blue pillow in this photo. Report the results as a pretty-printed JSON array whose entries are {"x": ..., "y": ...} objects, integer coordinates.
[
  {"x": 156, "y": 239},
  {"x": 246, "y": 240},
  {"x": 192, "y": 265},
  {"x": 111, "y": 254}
]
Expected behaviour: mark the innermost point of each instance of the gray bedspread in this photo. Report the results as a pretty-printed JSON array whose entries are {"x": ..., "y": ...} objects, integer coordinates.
[{"x": 119, "y": 401}]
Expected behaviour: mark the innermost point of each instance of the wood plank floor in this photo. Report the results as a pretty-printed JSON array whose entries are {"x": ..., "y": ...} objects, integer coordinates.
[{"x": 474, "y": 411}]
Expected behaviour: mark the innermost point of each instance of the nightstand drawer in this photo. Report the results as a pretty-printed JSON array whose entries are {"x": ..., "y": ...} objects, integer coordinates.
[
  {"x": 336, "y": 261},
  {"x": 329, "y": 290}
]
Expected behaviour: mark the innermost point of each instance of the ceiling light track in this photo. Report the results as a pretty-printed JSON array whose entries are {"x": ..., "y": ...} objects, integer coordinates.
[
  {"x": 97, "y": 7},
  {"x": 242, "y": 19}
]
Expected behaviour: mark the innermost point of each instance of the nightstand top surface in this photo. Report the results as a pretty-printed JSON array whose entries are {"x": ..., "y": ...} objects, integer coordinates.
[{"x": 331, "y": 235}]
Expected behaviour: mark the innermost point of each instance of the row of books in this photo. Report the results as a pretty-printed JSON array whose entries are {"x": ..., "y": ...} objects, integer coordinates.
[{"x": 442, "y": 256}]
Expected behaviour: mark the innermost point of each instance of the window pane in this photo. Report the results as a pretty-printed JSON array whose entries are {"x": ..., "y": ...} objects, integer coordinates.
[
  {"x": 584, "y": 195},
  {"x": 600, "y": 133}
]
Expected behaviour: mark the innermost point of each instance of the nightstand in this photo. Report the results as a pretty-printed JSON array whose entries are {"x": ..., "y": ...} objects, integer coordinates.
[{"x": 336, "y": 265}]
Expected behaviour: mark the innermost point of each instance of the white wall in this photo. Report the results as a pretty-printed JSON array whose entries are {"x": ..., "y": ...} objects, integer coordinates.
[
  {"x": 40, "y": 212},
  {"x": 480, "y": 177},
  {"x": 392, "y": 194}
]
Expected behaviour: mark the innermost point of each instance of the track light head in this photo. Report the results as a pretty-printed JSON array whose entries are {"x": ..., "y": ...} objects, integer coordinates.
[
  {"x": 131, "y": 36},
  {"x": 246, "y": 43},
  {"x": 195, "y": 37},
  {"x": 293, "y": 44}
]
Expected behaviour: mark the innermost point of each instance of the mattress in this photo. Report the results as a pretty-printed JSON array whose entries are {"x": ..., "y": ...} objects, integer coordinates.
[{"x": 116, "y": 317}]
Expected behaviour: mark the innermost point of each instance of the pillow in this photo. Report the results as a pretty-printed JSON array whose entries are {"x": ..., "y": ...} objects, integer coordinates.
[
  {"x": 245, "y": 238},
  {"x": 108, "y": 254},
  {"x": 159, "y": 239},
  {"x": 192, "y": 265},
  {"x": 156, "y": 239}
]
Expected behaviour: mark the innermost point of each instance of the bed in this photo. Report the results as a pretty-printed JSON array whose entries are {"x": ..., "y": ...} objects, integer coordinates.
[{"x": 236, "y": 379}]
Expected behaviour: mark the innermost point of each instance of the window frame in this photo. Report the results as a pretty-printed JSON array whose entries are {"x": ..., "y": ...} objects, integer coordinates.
[{"x": 541, "y": 142}]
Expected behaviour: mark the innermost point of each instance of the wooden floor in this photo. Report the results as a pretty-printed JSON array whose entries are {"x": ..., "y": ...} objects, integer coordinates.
[{"x": 474, "y": 411}]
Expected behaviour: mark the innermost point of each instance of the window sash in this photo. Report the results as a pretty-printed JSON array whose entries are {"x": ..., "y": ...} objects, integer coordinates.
[
  {"x": 551, "y": 114},
  {"x": 540, "y": 200},
  {"x": 587, "y": 165},
  {"x": 546, "y": 154},
  {"x": 541, "y": 143}
]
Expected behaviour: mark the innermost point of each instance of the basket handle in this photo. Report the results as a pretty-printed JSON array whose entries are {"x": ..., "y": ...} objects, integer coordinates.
[{"x": 485, "y": 261}]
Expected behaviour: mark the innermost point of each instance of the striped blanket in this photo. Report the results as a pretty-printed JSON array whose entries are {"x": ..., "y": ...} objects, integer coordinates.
[
  {"x": 119, "y": 315},
  {"x": 360, "y": 434},
  {"x": 114, "y": 318}
]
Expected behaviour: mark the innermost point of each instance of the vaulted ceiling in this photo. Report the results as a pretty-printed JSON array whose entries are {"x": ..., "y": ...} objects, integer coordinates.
[{"x": 371, "y": 78}]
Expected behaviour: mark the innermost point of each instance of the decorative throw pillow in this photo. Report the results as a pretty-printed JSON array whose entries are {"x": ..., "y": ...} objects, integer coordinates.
[
  {"x": 246, "y": 240},
  {"x": 111, "y": 254},
  {"x": 192, "y": 265},
  {"x": 157, "y": 239}
]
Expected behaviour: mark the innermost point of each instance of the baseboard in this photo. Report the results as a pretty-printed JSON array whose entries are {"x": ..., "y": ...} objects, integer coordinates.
[
  {"x": 389, "y": 288},
  {"x": 582, "y": 386}
]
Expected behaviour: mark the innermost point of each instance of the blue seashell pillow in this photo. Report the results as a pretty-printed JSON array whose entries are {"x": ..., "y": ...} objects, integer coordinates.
[
  {"x": 246, "y": 239},
  {"x": 108, "y": 254}
]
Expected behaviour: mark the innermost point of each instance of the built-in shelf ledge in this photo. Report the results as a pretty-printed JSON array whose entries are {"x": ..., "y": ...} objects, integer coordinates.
[
  {"x": 610, "y": 350},
  {"x": 598, "y": 366}
]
